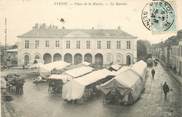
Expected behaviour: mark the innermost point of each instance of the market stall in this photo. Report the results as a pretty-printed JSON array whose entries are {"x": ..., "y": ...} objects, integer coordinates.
[
  {"x": 45, "y": 70},
  {"x": 84, "y": 87},
  {"x": 125, "y": 88},
  {"x": 115, "y": 67},
  {"x": 57, "y": 80},
  {"x": 56, "y": 83},
  {"x": 124, "y": 68},
  {"x": 140, "y": 68}
]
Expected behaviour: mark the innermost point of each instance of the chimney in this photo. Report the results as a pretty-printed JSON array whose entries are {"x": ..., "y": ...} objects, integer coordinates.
[
  {"x": 92, "y": 28},
  {"x": 119, "y": 27},
  {"x": 36, "y": 26},
  {"x": 43, "y": 26},
  {"x": 50, "y": 26}
]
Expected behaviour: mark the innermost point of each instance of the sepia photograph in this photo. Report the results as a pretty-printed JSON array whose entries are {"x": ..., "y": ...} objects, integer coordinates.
[{"x": 91, "y": 58}]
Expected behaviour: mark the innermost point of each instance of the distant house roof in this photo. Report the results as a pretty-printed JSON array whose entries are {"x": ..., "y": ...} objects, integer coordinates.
[{"x": 54, "y": 32}]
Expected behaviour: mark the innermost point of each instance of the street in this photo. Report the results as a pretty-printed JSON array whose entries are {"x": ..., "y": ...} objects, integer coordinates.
[{"x": 36, "y": 102}]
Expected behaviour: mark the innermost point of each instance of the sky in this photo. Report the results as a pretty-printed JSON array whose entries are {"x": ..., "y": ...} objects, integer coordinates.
[{"x": 23, "y": 14}]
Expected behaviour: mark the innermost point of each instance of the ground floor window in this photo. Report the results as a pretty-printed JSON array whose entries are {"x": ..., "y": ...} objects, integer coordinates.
[
  {"x": 57, "y": 57},
  {"x": 88, "y": 58},
  {"x": 128, "y": 60},
  {"x": 26, "y": 59},
  {"x": 68, "y": 58},
  {"x": 98, "y": 60},
  {"x": 47, "y": 58},
  {"x": 77, "y": 58}
]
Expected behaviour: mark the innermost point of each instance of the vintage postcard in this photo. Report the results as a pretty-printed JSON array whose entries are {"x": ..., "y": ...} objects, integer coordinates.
[{"x": 91, "y": 58}]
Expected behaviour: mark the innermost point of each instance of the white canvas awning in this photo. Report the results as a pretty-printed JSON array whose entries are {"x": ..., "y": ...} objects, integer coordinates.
[
  {"x": 76, "y": 72},
  {"x": 116, "y": 67},
  {"x": 75, "y": 88},
  {"x": 140, "y": 68},
  {"x": 124, "y": 68},
  {"x": 46, "y": 69},
  {"x": 73, "y": 73},
  {"x": 93, "y": 77},
  {"x": 56, "y": 65},
  {"x": 128, "y": 78},
  {"x": 86, "y": 63},
  {"x": 128, "y": 82},
  {"x": 37, "y": 65},
  {"x": 64, "y": 77}
]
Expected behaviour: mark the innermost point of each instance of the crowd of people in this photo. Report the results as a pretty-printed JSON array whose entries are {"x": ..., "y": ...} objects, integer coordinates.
[
  {"x": 14, "y": 84},
  {"x": 55, "y": 87}
]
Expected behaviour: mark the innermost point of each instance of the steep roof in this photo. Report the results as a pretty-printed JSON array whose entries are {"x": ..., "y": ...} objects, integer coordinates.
[{"x": 54, "y": 32}]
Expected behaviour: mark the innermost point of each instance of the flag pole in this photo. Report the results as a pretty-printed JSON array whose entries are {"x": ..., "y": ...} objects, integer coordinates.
[{"x": 5, "y": 41}]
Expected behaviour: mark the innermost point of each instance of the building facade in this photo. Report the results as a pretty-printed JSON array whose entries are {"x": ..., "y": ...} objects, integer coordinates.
[
  {"x": 176, "y": 54},
  {"x": 170, "y": 52},
  {"x": 97, "y": 46},
  {"x": 176, "y": 58}
]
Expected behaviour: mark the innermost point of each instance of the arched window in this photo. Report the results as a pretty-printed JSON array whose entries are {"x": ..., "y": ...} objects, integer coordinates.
[
  {"x": 26, "y": 59},
  {"x": 77, "y": 58},
  {"x": 47, "y": 58},
  {"x": 57, "y": 57},
  {"x": 68, "y": 58},
  {"x": 88, "y": 58},
  {"x": 37, "y": 57},
  {"x": 128, "y": 60},
  {"x": 98, "y": 60}
]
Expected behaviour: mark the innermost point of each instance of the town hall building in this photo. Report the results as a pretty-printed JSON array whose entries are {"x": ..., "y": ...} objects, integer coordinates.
[{"x": 100, "y": 47}]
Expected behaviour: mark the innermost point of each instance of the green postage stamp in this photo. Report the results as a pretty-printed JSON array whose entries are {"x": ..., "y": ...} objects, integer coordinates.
[{"x": 159, "y": 16}]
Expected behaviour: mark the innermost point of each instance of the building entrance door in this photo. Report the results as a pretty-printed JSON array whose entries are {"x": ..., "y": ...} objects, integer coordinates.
[
  {"x": 47, "y": 58},
  {"x": 77, "y": 59},
  {"x": 128, "y": 60},
  {"x": 98, "y": 60}
]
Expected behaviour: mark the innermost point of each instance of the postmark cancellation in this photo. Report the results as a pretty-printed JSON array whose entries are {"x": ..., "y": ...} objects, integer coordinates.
[{"x": 159, "y": 16}]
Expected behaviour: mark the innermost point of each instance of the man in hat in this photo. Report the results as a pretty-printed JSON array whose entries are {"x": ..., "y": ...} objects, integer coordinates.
[{"x": 165, "y": 89}]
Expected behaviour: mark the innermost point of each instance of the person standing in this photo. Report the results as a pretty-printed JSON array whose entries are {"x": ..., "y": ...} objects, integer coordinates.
[
  {"x": 153, "y": 73},
  {"x": 155, "y": 62},
  {"x": 165, "y": 90}
]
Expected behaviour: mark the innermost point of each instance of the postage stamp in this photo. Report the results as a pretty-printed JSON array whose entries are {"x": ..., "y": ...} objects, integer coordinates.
[{"x": 158, "y": 16}]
